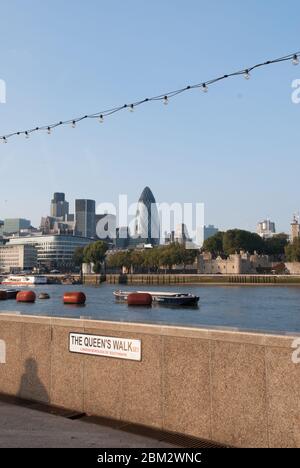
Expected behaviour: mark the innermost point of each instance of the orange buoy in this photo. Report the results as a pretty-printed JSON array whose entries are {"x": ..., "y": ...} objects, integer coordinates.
[
  {"x": 74, "y": 298},
  {"x": 3, "y": 295},
  {"x": 139, "y": 299},
  {"x": 26, "y": 296}
]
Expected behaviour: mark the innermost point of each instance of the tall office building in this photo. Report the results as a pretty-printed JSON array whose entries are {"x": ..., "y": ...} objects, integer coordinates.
[
  {"x": 181, "y": 235},
  {"x": 59, "y": 206},
  {"x": 85, "y": 212},
  {"x": 266, "y": 229},
  {"x": 147, "y": 219},
  {"x": 106, "y": 226},
  {"x": 205, "y": 232},
  {"x": 122, "y": 240},
  {"x": 15, "y": 225}
]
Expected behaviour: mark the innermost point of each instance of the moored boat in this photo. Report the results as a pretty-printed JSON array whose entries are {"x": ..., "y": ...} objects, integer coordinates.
[
  {"x": 44, "y": 296},
  {"x": 3, "y": 295},
  {"x": 22, "y": 280},
  {"x": 11, "y": 293},
  {"x": 178, "y": 300},
  {"x": 162, "y": 298}
]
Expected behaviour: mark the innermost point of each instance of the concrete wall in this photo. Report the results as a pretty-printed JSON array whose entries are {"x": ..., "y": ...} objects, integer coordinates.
[
  {"x": 227, "y": 386},
  {"x": 194, "y": 279}
]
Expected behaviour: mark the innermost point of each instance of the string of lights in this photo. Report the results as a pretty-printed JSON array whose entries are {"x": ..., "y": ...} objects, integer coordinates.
[{"x": 165, "y": 98}]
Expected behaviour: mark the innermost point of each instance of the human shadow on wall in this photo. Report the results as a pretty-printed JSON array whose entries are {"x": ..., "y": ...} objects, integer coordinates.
[{"x": 31, "y": 387}]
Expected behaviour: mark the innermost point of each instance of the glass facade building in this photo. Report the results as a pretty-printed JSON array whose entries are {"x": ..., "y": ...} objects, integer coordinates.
[
  {"x": 266, "y": 229},
  {"x": 85, "y": 211},
  {"x": 147, "y": 228},
  {"x": 53, "y": 251},
  {"x": 59, "y": 206},
  {"x": 205, "y": 232},
  {"x": 15, "y": 225}
]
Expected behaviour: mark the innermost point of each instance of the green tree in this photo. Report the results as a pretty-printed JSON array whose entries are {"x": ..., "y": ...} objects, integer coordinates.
[
  {"x": 127, "y": 259},
  {"x": 115, "y": 260},
  {"x": 95, "y": 253},
  {"x": 170, "y": 255},
  {"x": 189, "y": 256},
  {"x": 97, "y": 267},
  {"x": 292, "y": 251},
  {"x": 276, "y": 244},
  {"x": 235, "y": 240},
  {"x": 151, "y": 258},
  {"x": 120, "y": 260},
  {"x": 136, "y": 259},
  {"x": 78, "y": 256},
  {"x": 165, "y": 257},
  {"x": 214, "y": 244},
  {"x": 174, "y": 253}
]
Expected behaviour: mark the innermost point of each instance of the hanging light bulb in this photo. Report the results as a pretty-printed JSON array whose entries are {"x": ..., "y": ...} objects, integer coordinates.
[
  {"x": 295, "y": 60},
  {"x": 247, "y": 75},
  {"x": 73, "y": 124},
  {"x": 166, "y": 100},
  {"x": 101, "y": 118},
  {"x": 204, "y": 88},
  {"x": 131, "y": 108},
  {"x": 26, "y": 135},
  {"x": 49, "y": 131}
]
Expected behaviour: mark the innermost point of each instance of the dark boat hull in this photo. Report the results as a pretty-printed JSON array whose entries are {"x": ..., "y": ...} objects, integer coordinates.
[
  {"x": 168, "y": 299},
  {"x": 11, "y": 293},
  {"x": 178, "y": 301}
]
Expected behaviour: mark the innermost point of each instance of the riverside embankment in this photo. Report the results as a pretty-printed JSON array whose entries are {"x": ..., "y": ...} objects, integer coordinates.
[
  {"x": 227, "y": 386},
  {"x": 192, "y": 279}
]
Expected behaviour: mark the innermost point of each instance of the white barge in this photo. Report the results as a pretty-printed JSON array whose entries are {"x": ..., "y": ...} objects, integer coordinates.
[{"x": 23, "y": 280}]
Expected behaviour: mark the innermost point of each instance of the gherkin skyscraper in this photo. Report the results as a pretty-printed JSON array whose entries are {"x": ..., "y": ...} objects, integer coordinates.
[{"x": 147, "y": 219}]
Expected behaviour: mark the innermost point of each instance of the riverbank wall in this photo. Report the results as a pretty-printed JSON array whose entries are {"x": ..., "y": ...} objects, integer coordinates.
[
  {"x": 236, "y": 388},
  {"x": 162, "y": 279}
]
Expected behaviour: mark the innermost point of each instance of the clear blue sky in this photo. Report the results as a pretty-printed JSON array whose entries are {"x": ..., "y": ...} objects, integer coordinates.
[{"x": 236, "y": 149}]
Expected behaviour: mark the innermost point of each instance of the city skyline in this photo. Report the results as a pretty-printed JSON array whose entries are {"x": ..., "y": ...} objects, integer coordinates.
[{"x": 59, "y": 202}]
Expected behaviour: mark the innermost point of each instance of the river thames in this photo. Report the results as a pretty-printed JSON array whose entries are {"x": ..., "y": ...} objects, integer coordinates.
[{"x": 259, "y": 308}]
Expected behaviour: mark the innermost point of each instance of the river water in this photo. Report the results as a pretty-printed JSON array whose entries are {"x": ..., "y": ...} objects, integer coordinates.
[{"x": 259, "y": 308}]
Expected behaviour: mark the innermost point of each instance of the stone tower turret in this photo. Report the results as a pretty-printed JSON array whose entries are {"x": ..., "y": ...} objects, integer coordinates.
[
  {"x": 295, "y": 228},
  {"x": 237, "y": 263}
]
